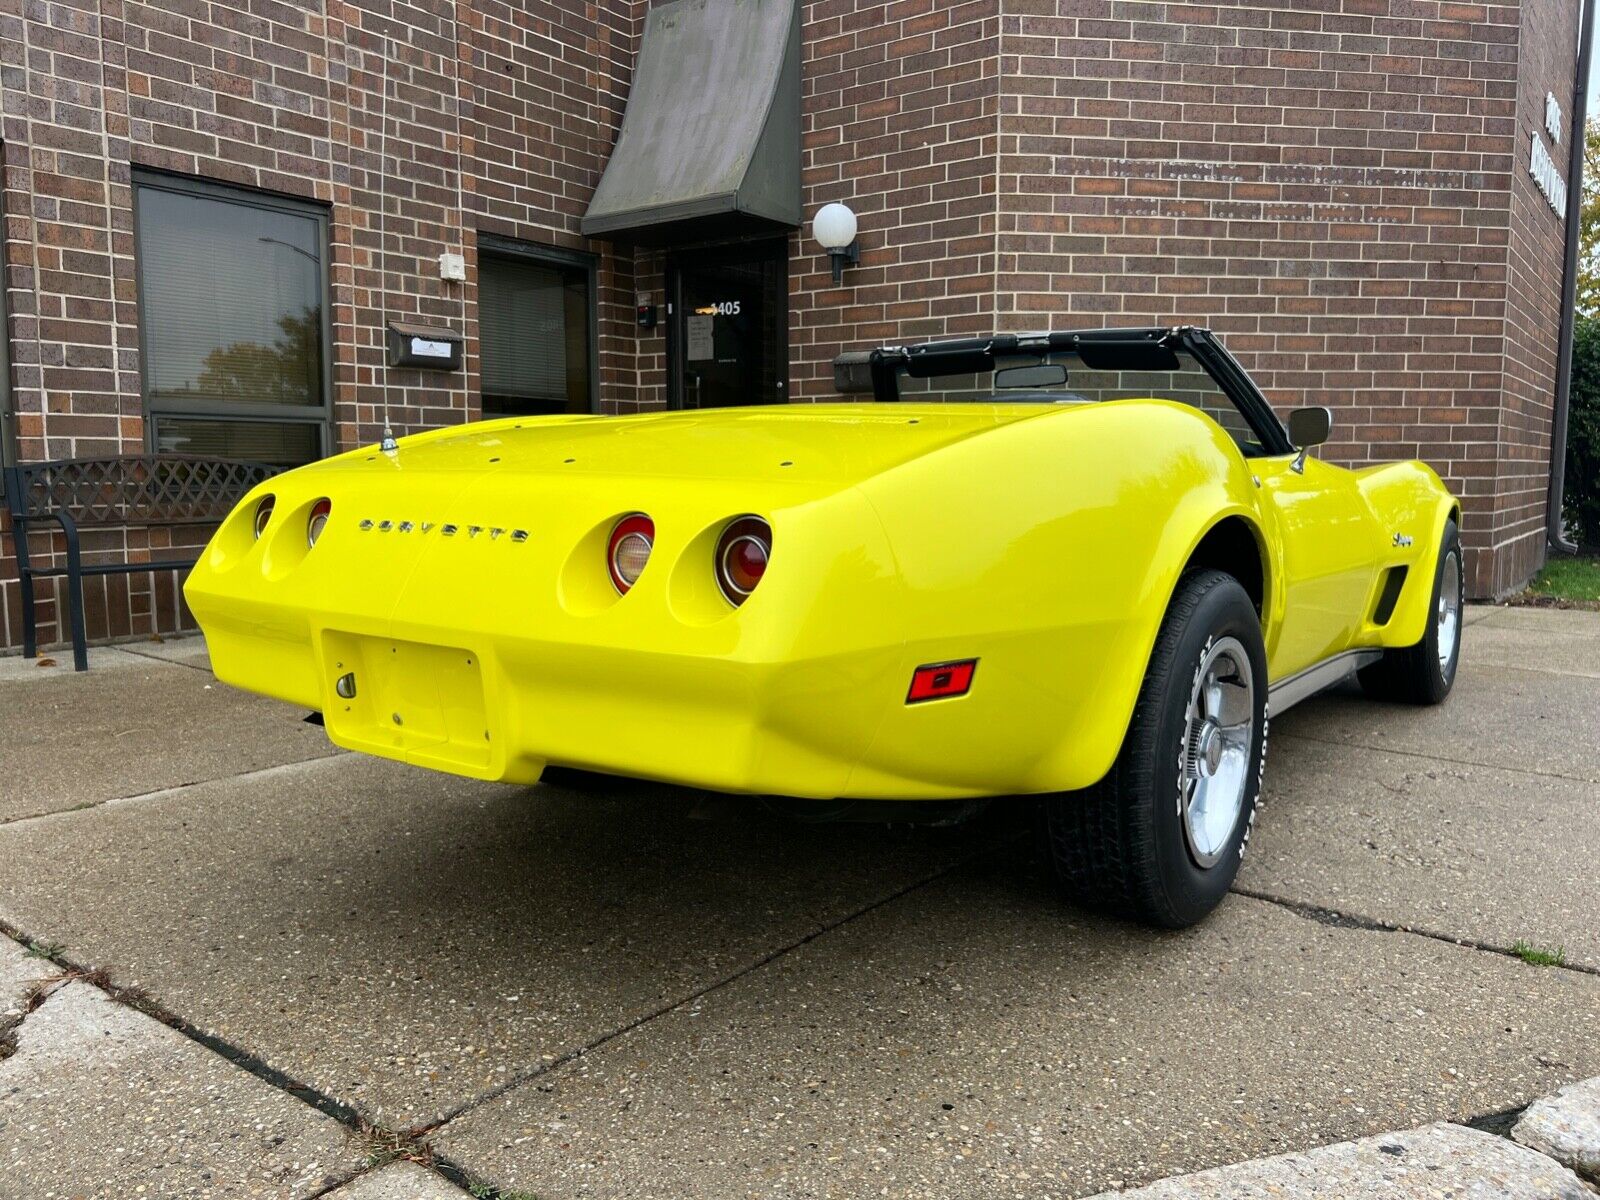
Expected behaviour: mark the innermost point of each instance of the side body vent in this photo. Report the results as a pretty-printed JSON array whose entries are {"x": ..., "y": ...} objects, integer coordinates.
[{"x": 1393, "y": 580}]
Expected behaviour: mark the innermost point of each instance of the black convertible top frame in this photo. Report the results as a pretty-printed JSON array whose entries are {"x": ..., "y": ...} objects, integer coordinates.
[{"x": 964, "y": 356}]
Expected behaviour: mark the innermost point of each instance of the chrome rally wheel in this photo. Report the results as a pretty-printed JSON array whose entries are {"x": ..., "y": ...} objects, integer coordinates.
[
  {"x": 1449, "y": 609},
  {"x": 1216, "y": 772}
]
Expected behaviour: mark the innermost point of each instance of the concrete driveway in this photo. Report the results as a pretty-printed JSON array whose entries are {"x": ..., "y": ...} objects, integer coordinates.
[{"x": 609, "y": 990}]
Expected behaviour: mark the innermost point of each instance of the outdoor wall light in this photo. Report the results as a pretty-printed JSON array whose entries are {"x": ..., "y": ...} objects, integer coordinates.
[{"x": 834, "y": 227}]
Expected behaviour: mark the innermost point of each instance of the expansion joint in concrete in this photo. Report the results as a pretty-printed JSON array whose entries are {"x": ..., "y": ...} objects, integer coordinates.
[{"x": 1339, "y": 919}]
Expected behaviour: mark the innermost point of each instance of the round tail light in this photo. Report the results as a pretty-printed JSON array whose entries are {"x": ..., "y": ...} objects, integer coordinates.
[
  {"x": 742, "y": 554},
  {"x": 629, "y": 550},
  {"x": 318, "y": 520},
  {"x": 263, "y": 516}
]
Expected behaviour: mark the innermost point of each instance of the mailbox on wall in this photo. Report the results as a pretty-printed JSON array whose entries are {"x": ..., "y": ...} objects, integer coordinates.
[{"x": 427, "y": 346}]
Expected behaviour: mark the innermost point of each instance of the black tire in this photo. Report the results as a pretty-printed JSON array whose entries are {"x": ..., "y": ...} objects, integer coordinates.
[
  {"x": 1121, "y": 846},
  {"x": 1415, "y": 674}
]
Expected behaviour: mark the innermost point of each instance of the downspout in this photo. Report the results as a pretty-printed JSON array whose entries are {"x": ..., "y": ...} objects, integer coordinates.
[{"x": 1569, "y": 287}]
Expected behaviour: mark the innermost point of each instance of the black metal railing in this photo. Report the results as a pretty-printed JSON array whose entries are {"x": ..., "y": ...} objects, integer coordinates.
[{"x": 125, "y": 491}]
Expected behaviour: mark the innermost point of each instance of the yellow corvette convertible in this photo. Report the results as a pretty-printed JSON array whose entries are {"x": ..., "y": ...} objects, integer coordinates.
[{"x": 1083, "y": 566}]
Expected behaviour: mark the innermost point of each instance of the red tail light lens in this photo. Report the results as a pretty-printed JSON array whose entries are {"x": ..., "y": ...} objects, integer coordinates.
[
  {"x": 318, "y": 520},
  {"x": 742, "y": 555},
  {"x": 263, "y": 516},
  {"x": 938, "y": 681},
  {"x": 629, "y": 550}
]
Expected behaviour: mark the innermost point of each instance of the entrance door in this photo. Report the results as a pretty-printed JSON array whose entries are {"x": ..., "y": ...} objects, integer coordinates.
[{"x": 728, "y": 334}]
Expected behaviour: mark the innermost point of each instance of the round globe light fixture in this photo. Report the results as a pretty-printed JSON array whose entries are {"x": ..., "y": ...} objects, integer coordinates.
[{"x": 834, "y": 227}]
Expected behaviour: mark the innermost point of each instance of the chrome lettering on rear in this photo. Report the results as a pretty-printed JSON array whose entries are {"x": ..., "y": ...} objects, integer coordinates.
[{"x": 448, "y": 529}]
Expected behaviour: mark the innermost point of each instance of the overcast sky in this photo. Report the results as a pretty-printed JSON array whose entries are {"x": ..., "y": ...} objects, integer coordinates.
[{"x": 1594, "y": 83}]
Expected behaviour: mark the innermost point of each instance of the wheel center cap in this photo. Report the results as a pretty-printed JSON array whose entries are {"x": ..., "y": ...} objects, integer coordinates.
[{"x": 1210, "y": 756}]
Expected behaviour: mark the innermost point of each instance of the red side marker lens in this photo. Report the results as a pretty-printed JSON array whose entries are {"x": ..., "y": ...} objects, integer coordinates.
[{"x": 939, "y": 681}]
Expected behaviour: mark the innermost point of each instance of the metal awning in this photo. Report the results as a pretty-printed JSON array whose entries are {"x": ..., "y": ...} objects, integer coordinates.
[{"x": 711, "y": 135}]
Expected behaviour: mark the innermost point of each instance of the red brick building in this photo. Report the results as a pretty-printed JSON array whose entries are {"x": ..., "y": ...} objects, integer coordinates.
[{"x": 214, "y": 213}]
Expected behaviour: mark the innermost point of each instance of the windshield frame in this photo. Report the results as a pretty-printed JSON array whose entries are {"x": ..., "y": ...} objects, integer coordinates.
[{"x": 977, "y": 355}]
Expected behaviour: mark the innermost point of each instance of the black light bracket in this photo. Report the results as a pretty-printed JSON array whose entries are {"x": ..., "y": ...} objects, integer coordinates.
[{"x": 846, "y": 256}]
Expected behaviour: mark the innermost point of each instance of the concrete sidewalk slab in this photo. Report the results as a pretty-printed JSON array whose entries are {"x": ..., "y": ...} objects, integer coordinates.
[
  {"x": 399, "y": 1181},
  {"x": 1566, "y": 1126},
  {"x": 100, "y": 1100},
  {"x": 57, "y": 664},
  {"x": 187, "y": 650},
  {"x": 977, "y": 1040},
  {"x": 1578, "y": 622},
  {"x": 74, "y": 740},
  {"x": 1431, "y": 1163},
  {"x": 1556, "y": 640},
  {"x": 407, "y": 941},
  {"x": 1474, "y": 852},
  {"x": 1497, "y": 716}
]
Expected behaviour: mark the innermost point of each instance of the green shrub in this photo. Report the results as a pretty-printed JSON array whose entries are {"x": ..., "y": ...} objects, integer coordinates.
[{"x": 1582, "y": 498}]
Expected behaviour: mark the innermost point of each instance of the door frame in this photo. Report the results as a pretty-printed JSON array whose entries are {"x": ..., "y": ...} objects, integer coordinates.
[{"x": 715, "y": 254}]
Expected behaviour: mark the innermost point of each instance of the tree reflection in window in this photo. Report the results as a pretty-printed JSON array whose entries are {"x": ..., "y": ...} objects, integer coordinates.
[
  {"x": 249, "y": 371},
  {"x": 231, "y": 292}
]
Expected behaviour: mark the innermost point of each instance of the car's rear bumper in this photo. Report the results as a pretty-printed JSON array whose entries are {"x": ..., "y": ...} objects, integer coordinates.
[{"x": 505, "y": 708}]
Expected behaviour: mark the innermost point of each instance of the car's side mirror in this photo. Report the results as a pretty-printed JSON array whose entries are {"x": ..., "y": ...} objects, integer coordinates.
[{"x": 1309, "y": 427}]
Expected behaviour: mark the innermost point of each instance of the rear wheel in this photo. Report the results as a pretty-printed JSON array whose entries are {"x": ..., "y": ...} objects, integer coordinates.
[
  {"x": 1159, "y": 839},
  {"x": 1424, "y": 673}
]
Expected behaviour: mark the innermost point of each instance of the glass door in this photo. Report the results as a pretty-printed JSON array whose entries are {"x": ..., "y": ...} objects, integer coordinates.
[{"x": 728, "y": 331}]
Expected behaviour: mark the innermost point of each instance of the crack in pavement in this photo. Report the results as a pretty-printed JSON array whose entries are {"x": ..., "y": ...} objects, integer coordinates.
[
  {"x": 756, "y": 964},
  {"x": 176, "y": 788},
  {"x": 1339, "y": 919},
  {"x": 176, "y": 662},
  {"x": 410, "y": 1139},
  {"x": 142, "y": 1002},
  {"x": 1448, "y": 760}
]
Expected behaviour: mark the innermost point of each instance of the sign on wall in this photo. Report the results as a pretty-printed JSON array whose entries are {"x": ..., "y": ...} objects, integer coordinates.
[{"x": 1546, "y": 177}]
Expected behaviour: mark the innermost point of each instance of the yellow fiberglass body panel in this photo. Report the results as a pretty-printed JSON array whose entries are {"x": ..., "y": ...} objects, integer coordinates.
[{"x": 457, "y": 611}]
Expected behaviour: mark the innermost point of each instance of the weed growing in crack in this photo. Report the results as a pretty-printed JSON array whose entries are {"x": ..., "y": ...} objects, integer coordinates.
[
  {"x": 1538, "y": 956},
  {"x": 43, "y": 950},
  {"x": 384, "y": 1146}
]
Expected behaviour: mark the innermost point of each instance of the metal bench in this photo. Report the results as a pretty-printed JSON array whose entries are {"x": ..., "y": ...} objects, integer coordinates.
[{"x": 128, "y": 491}]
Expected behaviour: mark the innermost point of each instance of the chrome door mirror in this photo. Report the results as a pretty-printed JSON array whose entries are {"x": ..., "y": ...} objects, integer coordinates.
[{"x": 1308, "y": 427}]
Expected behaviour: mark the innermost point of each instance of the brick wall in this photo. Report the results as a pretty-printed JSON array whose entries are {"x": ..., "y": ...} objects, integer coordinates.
[
  {"x": 901, "y": 108},
  {"x": 1340, "y": 188},
  {"x": 1333, "y": 187},
  {"x": 1341, "y": 191},
  {"x": 416, "y": 124},
  {"x": 1521, "y": 471}
]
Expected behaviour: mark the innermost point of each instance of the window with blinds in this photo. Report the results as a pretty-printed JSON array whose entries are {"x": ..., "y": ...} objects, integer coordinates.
[
  {"x": 232, "y": 296},
  {"x": 533, "y": 334}
]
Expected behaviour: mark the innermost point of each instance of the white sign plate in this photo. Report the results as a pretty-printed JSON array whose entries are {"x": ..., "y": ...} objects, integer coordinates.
[
  {"x": 702, "y": 341},
  {"x": 427, "y": 348},
  {"x": 1545, "y": 176}
]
